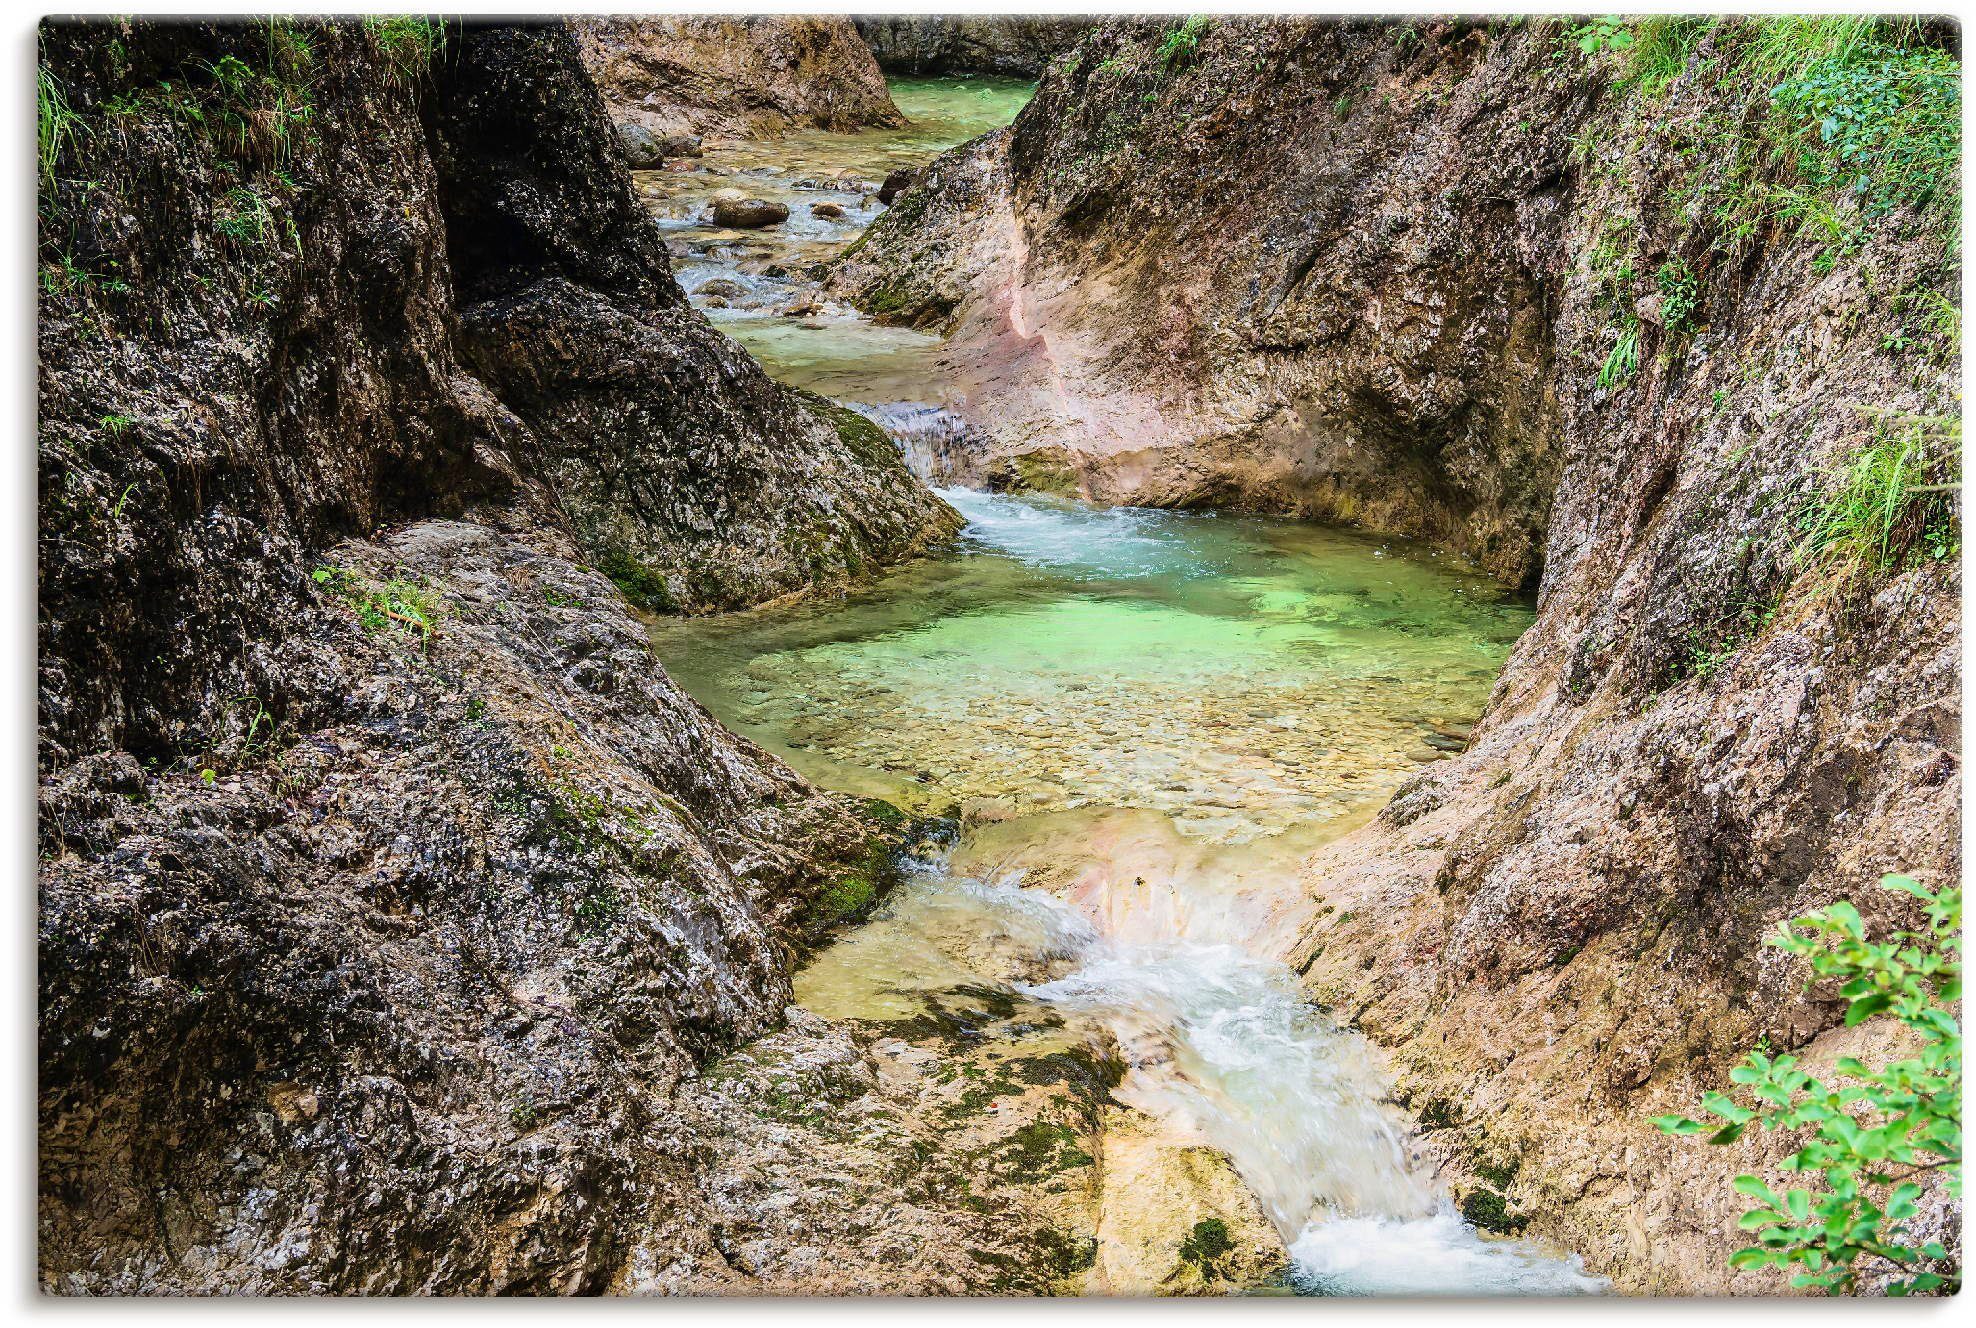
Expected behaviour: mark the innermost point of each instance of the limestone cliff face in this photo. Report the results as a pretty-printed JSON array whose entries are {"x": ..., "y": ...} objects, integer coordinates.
[
  {"x": 1383, "y": 272},
  {"x": 735, "y": 77},
  {"x": 1013, "y": 45},
  {"x": 388, "y": 886}
]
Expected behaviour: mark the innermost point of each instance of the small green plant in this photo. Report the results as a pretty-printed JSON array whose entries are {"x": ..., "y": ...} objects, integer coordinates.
[
  {"x": 245, "y": 216},
  {"x": 397, "y": 603},
  {"x": 1182, "y": 42},
  {"x": 409, "y": 43},
  {"x": 1679, "y": 293},
  {"x": 1893, "y": 501},
  {"x": 1610, "y": 33},
  {"x": 1874, "y": 1133},
  {"x": 597, "y": 910},
  {"x": 1623, "y": 359},
  {"x": 57, "y": 126}
]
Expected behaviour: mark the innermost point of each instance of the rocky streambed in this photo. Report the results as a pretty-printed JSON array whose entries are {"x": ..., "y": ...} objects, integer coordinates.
[{"x": 1120, "y": 732}]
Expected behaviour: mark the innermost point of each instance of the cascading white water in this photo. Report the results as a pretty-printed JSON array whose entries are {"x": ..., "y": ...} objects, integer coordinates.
[{"x": 1219, "y": 1041}]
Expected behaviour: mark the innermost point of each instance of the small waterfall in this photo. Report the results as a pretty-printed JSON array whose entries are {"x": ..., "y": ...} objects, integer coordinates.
[
  {"x": 1220, "y": 1041},
  {"x": 933, "y": 439}
]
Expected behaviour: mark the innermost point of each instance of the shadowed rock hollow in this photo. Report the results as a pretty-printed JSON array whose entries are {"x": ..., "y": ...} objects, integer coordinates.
[{"x": 1019, "y": 46}]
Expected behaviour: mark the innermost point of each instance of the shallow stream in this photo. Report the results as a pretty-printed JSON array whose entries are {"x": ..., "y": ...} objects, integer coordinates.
[{"x": 1143, "y": 722}]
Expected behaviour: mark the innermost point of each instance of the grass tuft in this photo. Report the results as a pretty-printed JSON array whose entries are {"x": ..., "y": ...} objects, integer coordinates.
[{"x": 1894, "y": 502}]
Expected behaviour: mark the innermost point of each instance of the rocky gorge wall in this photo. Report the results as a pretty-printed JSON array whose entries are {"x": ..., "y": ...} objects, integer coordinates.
[
  {"x": 1015, "y": 46},
  {"x": 388, "y": 887},
  {"x": 672, "y": 80},
  {"x": 1469, "y": 283}
]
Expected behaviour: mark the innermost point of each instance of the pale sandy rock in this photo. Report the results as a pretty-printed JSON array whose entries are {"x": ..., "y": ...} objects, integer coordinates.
[{"x": 734, "y": 77}]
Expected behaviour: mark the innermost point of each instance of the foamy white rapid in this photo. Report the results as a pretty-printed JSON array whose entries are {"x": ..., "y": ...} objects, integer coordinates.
[{"x": 1218, "y": 1041}]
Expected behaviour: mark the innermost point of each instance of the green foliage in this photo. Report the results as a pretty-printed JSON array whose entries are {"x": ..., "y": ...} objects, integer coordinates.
[
  {"x": 1733, "y": 625},
  {"x": 1623, "y": 358},
  {"x": 844, "y": 899},
  {"x": 1881, "y": 122},
  {"x": 1874, "y": 1133},
  {"x": 1894, "y": 500},
  {"x": 597, "y": 910},
  {"x": 245, "y": 216},
  {"x": 1851, "y": 106},
  {"x": 643, "y": 585},
  {"x": 57, "y": 126},
  {"x": 1661, "y": 49},
  {"x": 1610, "y": 33},
  {"x": 409, "y": 43},
  {"x": 1183, "y": 41},
  {"x": 1487, "y": 1210},
  {"x": 397, "y": 604},
  {"x": 1679, "y": 293}
]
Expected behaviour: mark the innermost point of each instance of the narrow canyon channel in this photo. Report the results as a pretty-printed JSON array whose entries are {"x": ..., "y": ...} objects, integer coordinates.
[{"x": 1130, "y": 725}]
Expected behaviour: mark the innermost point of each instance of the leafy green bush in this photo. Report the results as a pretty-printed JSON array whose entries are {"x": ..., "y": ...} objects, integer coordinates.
[
  {"x": 1875, "y": 1133},
  {"x": 1610, "y": 33},
  {"x": 1881, "y": 121}
]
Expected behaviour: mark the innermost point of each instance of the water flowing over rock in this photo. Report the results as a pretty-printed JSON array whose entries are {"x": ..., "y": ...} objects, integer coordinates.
[{"x": 1559, "y": 931}]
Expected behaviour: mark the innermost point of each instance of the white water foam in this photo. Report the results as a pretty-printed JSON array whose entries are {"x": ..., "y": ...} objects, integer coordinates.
[
  {"x": 1100, "y": 542},
  {"x": 1221, "y": 1043}
]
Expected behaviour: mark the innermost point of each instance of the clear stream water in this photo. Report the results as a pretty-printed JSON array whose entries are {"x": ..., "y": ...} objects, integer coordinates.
[{"x": 1144, "y": 720}]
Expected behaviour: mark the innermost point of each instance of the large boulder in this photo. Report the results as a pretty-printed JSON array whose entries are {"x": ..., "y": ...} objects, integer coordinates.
[{"x": 748, "y": 213}]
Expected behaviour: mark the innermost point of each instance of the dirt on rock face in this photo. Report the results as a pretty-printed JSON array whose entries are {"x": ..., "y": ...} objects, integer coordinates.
[
  {"x": 733, "y": 77},
  {"x": 388, "y": 886},
  {"x": 1018, "y": 46},
  {"x": 1410, "y": 251}
]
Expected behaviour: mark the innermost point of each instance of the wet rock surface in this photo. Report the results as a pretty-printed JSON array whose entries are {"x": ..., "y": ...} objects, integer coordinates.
[
  {"x": 695, "y": 480},
  {"x": 388, "y": 886}
]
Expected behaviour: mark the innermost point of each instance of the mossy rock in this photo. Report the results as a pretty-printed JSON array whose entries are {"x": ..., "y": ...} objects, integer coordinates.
[
  {"x": 1206, "y": 1244},
  {"x": 1489, "y": 1211}
]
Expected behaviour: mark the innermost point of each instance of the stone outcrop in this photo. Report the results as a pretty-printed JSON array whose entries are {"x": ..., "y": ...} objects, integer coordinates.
[
  {"x": 1412, "y": 252},
  {"x": 693, "y": 479},
  {"x": 389, "y": 889},
  {"x": 731, "y": 77},
  {"x": 1012, "y": 45}
]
